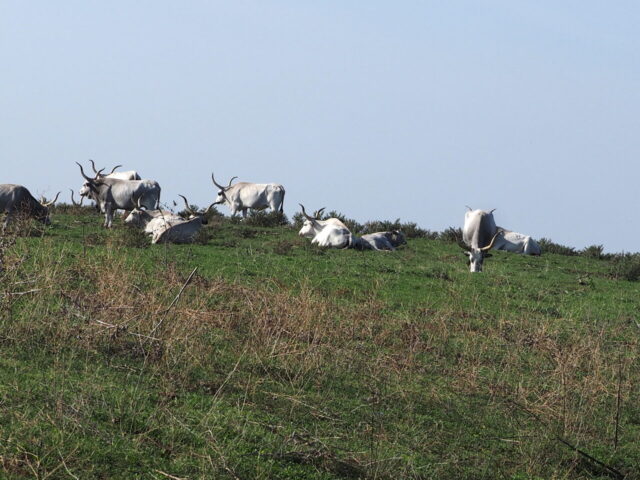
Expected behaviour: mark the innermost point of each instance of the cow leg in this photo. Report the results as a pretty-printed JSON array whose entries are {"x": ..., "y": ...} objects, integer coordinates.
[
  {"x": 244, "y": 213},
  {"x": 108, "y": 215}
]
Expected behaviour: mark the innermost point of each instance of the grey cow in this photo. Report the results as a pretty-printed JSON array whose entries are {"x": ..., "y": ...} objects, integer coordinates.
[
  {"x": 112, "y": 194},
  {"x": 18, "y": 199}
]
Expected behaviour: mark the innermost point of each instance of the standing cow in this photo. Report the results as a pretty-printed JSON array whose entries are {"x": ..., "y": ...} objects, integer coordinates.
[
  {"x": 18, "y": 199},
  {"x": 112, "y": 194},
  {"x": 244, "y": 196}
]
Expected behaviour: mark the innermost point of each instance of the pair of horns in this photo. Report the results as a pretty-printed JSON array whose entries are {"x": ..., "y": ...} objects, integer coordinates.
[
  {"x": 316, "y": 214},
  {"x": 191, "y": 210},
  {"x": 73, "y": 201},
  {"x": 220, "y": 186},
  {"x": 99, "y": 172}
]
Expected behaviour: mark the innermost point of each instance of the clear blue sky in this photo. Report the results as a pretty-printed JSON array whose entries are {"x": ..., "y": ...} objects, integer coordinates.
[{"x": 376, "y": 109}]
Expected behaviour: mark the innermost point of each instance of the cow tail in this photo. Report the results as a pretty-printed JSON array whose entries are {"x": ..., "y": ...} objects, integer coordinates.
[{"x": 282, "y": 203}]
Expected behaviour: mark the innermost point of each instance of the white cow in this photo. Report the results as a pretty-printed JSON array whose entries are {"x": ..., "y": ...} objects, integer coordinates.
[
  {"x": 382, "y": 240},
  {"x": 128, "y": 175},
  {"x": 479, "y": 234},
  {"x": 244, "y": 196},
  {"x": 111, "y": 194},
  {"x": 183, "y": 231},
  {"x": 516, "y": 242},
  {"x": 150, "y": 220},
  {"x": 326, "y": 233}
]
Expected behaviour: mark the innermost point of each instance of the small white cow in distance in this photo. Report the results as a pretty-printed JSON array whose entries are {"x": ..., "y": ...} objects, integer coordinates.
[
  {"x": 128, "y": 175},
  {"x": 389, "y": 240},
  {"x": 325, "y": 233},
  {"x": 184, "y": 231},
  {"x": 516, "y": 243},
  {"x": 245, "y": 195}
]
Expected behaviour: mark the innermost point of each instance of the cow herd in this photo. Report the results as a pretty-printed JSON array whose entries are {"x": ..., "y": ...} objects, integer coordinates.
[{"x": 140, "y": 200}]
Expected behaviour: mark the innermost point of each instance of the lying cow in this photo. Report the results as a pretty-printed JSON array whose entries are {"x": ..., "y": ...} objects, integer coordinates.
[
  {"x": 516, "y": 243},
  {"x": 389, "y": 240},
  {"x": 325, "y": 233},
  {"x": 150, "y": 220},
  {"x": 183, "y": 231}
]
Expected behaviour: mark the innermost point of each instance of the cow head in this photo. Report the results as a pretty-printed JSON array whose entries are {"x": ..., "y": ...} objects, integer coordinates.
[
  {"x": 90, "y": 186},
  {"x": 194, "y": 213},
  {"x": 222, "y": 192},
  {"x": 476, "y": 256},
  {"x": 310, "y": 226},
  {"x": 138, "y": 217},
  {"x": 397, "y": 238},
  {"x": 42, "y": 213}
]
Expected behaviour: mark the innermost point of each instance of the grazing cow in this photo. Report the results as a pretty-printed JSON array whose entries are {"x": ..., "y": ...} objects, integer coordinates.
[
  {"x": 382, "y": 240},
  {"x": 326, "y": 233},
  {"x": 112, "y": 194},
  {"x": 128, "y": 175},
  {"x": 516, "y": 243},
  {"x": 479, "y": 234},
  {"x": 184, "y": 231},
  {"x": 18, "y": 199},
  {"x": 244, "y": 196}
]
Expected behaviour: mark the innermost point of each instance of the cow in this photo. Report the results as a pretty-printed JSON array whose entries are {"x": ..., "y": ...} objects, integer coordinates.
[
  {"x": 479, "y": 234},
  {"x": 149, "y": 220},
  {"x": 326, "y": 233},
  {"x": 18, "y": 199},
  {"x": 389, "y": 240},
  {"x": 255, "y": 196},
  {"x": 183, "y": 231},
  {"x": 111, "y": 194},
  {"x": 516, "y": 242},
  {"x": 128, "y": 175}
]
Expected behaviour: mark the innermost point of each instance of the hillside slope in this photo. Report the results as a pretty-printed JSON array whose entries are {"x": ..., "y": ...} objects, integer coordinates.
[{"x": 279, "y": 360}]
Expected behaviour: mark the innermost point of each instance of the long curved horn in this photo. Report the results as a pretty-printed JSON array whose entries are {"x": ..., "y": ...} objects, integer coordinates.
[
  {"x": 318, "y": 213},
  {"x": 113, "y": 169},
  {"x": 304, "y": 212},
  {"x": 94, "y": 166},
  {"x": 232, "y": 179},
  {"x": 493, "y": 240},
  {"x": 189, "y": 209},
  {"x": 469, "y": 208},
  {"x": 84, "y": 174},
  {"x": 208, "y": 208},
  {"x": 73, "y": 201},
  {"x": 52, "y": 201},
  {"x": 216, "y": 183}
]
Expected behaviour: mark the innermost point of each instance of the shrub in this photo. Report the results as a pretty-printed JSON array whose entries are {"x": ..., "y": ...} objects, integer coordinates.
[
  {"x": 410, "y": 229},
  {"x": 451, "y": 234},
  {"x": 128, "y": 237},
  {"x": 264, "y": 219},
  {"x": 626, "y": 266},
  {"x": 549, "y": 246},
  {"x": 593, "y": 251}
]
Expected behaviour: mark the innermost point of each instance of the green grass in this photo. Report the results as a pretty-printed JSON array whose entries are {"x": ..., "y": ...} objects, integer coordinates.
[{"x": 282, "y": 360}]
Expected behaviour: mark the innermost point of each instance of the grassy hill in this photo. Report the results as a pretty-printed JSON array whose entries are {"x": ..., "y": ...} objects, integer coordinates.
[{"x": 277, "y": 360}]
